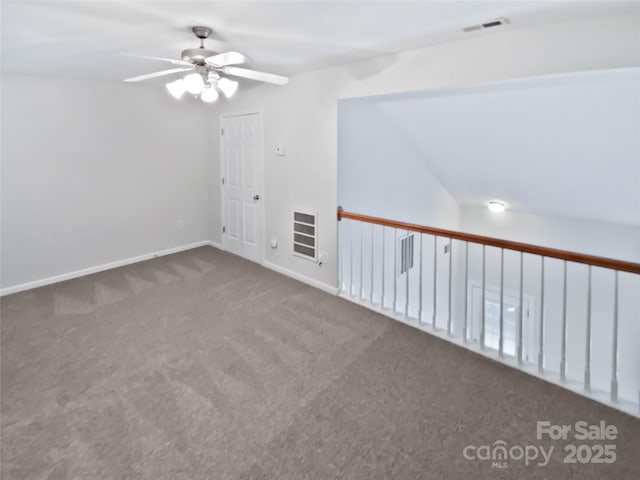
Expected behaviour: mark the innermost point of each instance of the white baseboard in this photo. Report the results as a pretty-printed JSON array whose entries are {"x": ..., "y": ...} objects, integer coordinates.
[
  {"x": 302, "y": 278},
  {"x": 147, "y": 256},
  {"x": 100, "y": 268},
  {"x": 215, "y": 245},
  {"x": 289, "y": 273}
]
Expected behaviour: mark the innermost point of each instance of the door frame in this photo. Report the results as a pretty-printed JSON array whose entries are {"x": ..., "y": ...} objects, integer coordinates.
[{"x": 263, "y": 198}]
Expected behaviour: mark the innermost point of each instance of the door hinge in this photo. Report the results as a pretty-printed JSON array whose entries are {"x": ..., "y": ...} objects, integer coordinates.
[
  {"x": 222, "y": 131},
  {"x": 224, "y": 229}
]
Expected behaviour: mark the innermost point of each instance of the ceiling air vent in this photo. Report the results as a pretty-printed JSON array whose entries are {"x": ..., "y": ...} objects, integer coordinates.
[{"x": 493, "y": 23}]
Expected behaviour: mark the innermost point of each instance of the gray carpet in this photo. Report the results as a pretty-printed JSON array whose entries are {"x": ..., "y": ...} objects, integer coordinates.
[{"x": 202, "y": 365}]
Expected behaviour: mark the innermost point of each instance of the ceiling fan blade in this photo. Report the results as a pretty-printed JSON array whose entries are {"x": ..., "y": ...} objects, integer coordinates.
[
  {"x": 170, "y": 60},
  {"x": 162, "y": 73},
  {"x": 255, "y": 75},
  {"x": 227, "y": 58}
]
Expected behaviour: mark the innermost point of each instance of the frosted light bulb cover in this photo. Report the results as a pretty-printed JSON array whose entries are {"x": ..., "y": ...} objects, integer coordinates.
[
  {"x": 496, "y": 207},
  {"x": 176, "y": 89},
  {"x": 227, "y": 87},
  {"x": 209, "y": 95},
  {"x": 194, "y": 83}
]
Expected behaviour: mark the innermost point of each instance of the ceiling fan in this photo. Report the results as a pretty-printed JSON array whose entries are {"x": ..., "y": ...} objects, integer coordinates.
[{"x": 209, "y": 71}]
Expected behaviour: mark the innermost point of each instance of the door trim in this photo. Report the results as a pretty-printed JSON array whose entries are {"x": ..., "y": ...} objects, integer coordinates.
[{"x": 263, "y": 198}]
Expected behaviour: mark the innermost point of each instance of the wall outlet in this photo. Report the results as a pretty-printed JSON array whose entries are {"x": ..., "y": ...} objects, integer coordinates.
[{"x": 180, "y": 224}]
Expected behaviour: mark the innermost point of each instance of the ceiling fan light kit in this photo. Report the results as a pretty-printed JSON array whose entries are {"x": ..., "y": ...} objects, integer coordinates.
[
  {"x": 207, "y": 72},
  {"x": 176, "y": 88},
  {"x": 228, "y": 87},
  {"x": 194, "y": 83},
  {"x": 209, "y": 95}
]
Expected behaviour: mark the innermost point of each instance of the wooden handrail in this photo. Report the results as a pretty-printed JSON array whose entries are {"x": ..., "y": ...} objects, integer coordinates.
[{"x": 500, "y": 243}]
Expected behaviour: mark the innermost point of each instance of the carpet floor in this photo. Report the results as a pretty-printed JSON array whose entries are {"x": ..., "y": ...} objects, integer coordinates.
[{"x": 201, "y": 365}]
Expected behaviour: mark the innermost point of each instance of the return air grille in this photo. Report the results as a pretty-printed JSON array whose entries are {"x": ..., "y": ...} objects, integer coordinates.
[{"x": 305, "y": 234}]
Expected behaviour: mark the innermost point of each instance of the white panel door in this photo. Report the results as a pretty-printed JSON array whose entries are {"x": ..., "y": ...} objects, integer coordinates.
[{"x": 242, "y": 185}]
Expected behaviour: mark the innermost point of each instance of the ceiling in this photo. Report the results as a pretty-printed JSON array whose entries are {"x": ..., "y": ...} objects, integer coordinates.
[
  {"x": 583, "y": 162},
  {"x": 86, "y": 39}
]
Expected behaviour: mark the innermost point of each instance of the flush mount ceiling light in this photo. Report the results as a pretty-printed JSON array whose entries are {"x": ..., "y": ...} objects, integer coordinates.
[
  {"x": 496, "y": 206},
  {"x": 207, "y": 71}
]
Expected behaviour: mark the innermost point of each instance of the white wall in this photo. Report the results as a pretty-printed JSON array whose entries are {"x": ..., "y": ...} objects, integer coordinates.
[
  {"x": 302, "y": 116},
  {"x": 381, "y": 174},
  {"x": 151, "y": 151},
  {"x": 576, "y": 135},
  {"x": 585, "y": 236},
  {"x": 94, "y": 172}
]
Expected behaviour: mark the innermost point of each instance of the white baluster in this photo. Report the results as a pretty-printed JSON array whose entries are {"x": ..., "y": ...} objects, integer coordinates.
[
  {"x": 351, "y": 264},
  {"x": 395, "y": 269},
  {"x": 541, "y": 332},
  {"x": 420, "y": 284},
  {"x": 435, "y": 282},
  {"x": 521, "y": 317},
  {"x": 484, "y": 285},
  {"x": 340, "y": 257},
  {"x": 383, "y": 269},
  {"x": 563, "y": 354},
  {"x": 614, "y": 357},
  {"x": 361, "y": 259},
  {"x": 406, "y": 263},
  {"x": 466, "y": 292},
  {"x": 450, "y": 285},
  {"x": 587, "y": 360},
  {"x": 501, "y": 340},
  {"x": 371, "y": 264}
]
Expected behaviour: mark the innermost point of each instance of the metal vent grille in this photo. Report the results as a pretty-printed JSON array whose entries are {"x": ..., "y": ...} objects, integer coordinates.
[
  {"x": 305, "y": 234},
  {"x": 472, "y": 28},
  {"x": 493, "y": 23},
  {"x": 405, "y": 253}
]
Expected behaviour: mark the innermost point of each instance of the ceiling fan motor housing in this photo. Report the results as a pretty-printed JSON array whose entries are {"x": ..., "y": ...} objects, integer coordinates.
[{"x": 197, "y": 55}]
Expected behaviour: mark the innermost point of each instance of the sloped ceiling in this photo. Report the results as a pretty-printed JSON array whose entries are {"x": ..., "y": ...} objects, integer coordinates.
[
  {"x": 563, "y": 145},
  {"x": 84, "y": 39}
]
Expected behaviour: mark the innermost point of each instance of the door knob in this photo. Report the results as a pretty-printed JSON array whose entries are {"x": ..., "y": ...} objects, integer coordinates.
[{"x": 256, "y": 197}]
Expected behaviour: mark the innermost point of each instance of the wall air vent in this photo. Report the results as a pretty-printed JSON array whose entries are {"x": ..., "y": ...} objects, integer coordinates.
[
  {"x": 405, "y": 253},
  {"x": 482, "y": 26},
  {"x": 305, "y": 234}
]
